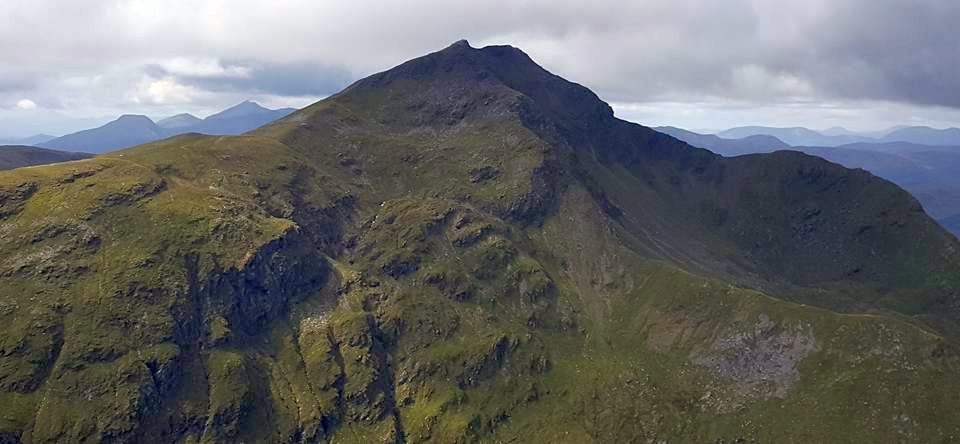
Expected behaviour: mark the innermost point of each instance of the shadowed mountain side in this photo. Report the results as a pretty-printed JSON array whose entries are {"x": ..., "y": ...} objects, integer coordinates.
[
  {"x": 927, "y": 172},
  {"x": 12, "y": 156}
]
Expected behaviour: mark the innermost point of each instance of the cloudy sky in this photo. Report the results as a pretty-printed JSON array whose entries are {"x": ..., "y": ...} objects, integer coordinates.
[{"x": 702, "y": 64}]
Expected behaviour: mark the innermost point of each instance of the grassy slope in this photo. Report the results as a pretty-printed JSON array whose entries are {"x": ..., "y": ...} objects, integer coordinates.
[
  {"x": 855, "y": 377},
  {"x": 98, "y": 256},
  {"x": 388, "y": 265}
]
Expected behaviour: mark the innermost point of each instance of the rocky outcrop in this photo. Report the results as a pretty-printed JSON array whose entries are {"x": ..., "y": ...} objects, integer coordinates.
[
  {"x": 242, "y": 301},
  {"x": 12, "y": 199},
  {"x": 762, "y": 362}
]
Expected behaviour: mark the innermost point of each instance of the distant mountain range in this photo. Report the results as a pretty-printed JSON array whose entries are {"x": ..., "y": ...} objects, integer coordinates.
[
  {"x": 16, "y": 156},
  {"x": 28, "y": 141},
  {"x": 130, "y": 130},
  {"x": 759, "y": 143},
  {"x": 925, "y": 135},
  {"x": 178, "y": 121},
  {"x": 929, "y": 172},
  {"x": 239, "y": 119},
  {"x": 797, "y": 136}
]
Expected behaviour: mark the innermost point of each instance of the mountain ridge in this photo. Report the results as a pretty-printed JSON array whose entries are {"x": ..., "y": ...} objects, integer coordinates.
[
  {"x": 238, "y": 119},
  {"x": 125, "y": 131},
  {"x": 179, "y": 121},
  {"x": 800, "y": 136},
  {"x": 723, "y": 146},
  {"x": 131, "y": 130},
  {"x": 28, "y": 141},
  {"x": 926, "y": 171},
  {"x": 469, "y": 248},
  {"x": 14, "y": 156}
]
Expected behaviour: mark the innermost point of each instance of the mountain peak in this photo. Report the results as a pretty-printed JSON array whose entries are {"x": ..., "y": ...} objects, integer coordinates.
[
  {"x": 462, "y": 43},
  {"x": 245, "y": 108},
  {"x": 181, "y": 120},
  {"x": 482, "y": 79},
  {"x": 182, "y": 116},
  {"x": 139, "y": 121},
  {"x": 132, "y": 118},
  {"x": 460, "y": 57}
]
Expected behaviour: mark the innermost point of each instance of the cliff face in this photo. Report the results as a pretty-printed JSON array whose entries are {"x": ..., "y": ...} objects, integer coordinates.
[
  {"x": 468, "y": 248},
  {"x": 95, "y": 364}
]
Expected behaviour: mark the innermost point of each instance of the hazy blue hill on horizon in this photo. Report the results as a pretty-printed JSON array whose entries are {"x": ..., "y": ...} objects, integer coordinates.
[
  {"x": 900, "y": 147},
  {"x": 838, "y": 131},
  {"x": 925, "y": 135},
  {"x": 27, "y": 141},
  {"x": 126, "y": 131},
  {"x": 237, "y": 119},
  {"x": 890, "y": 166},
  {"x": 792, "y": 136},
  {"x": 726, "y": 147},
  {"x": 182, "y": 120},
  {"x": 131, "y": 130},
  {"x": 837, "y": 136}
]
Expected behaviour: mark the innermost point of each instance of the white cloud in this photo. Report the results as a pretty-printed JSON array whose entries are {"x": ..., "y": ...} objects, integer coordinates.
[
  {"x": 26, "y": 104},
  {"x": 202, "y": 67},
  {"x": 93, "y": 58},
  {"x": 714, "y": 114},
  {"x": 165, "y": 91},
  {"x": 757, "y": 82}
]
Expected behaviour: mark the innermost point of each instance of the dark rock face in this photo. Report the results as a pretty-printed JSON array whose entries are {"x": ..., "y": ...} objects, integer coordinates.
[
  {"x": 226, "y": 308},
  {"x": 278, "y": 275},
  {"x": 13, "y": 199}
]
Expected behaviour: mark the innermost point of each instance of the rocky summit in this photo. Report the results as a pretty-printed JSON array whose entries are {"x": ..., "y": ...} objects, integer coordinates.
[{"x": 468, "y": 248}]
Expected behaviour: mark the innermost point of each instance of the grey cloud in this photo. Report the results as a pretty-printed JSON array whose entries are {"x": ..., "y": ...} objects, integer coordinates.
[
  {"x": 753, "y": 52},
  {"x": 13, "y": 79},
  {"x": 884, "y": 49},
  {"x": 306, "y": 78},
  {"x": 827, "y": 50}
]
